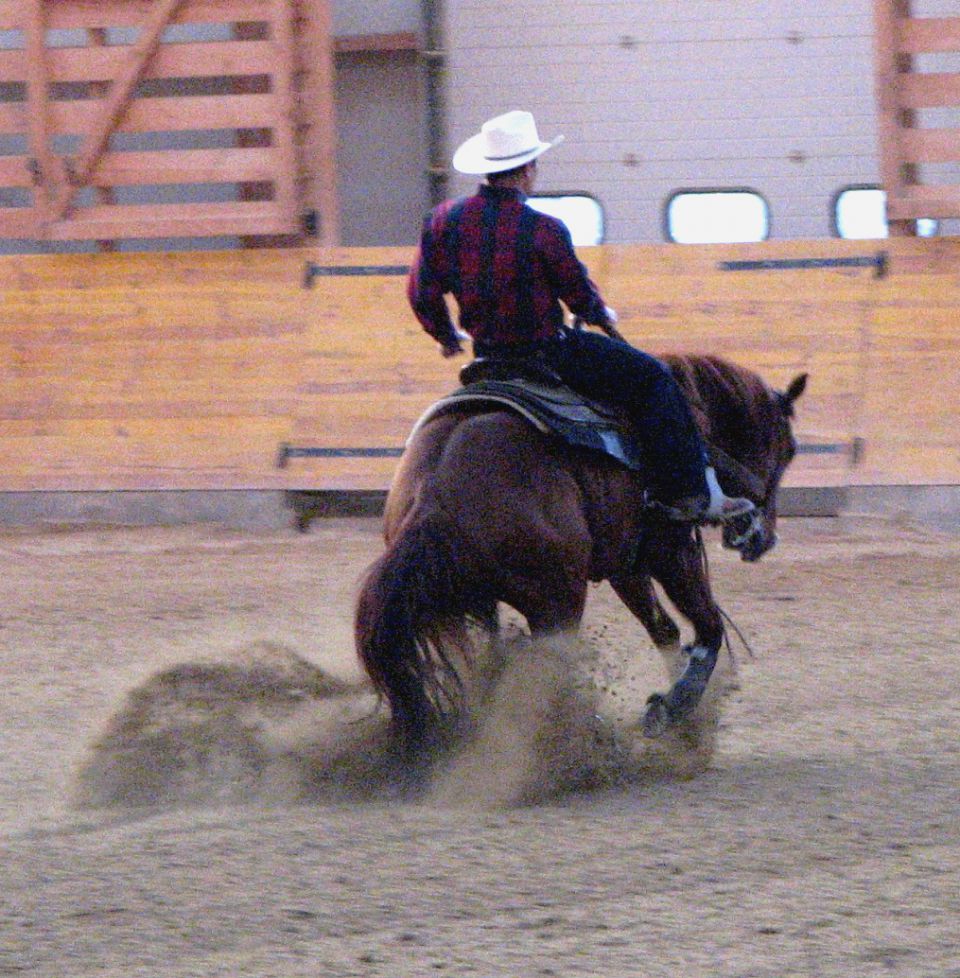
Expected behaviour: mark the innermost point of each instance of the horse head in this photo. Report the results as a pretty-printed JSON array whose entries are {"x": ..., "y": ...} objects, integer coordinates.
[
  {"x": 759, "y": 472},
  {"x": 746, "y": 425}
]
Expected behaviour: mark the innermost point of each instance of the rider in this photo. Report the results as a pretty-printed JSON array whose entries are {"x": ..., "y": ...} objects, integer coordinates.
[{"x": 509, "y": 267}]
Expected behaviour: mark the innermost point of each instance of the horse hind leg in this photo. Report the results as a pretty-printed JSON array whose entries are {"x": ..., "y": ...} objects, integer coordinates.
[
  {"x": 552, "y": 607},
  {"x": 488, "y": 650}
]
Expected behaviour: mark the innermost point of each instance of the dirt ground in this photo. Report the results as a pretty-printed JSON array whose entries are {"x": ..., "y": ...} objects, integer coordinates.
[{"x": 187, "y": 787}]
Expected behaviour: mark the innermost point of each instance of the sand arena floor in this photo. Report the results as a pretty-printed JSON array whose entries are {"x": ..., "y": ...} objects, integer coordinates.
[{"x": 191, "y": 786}]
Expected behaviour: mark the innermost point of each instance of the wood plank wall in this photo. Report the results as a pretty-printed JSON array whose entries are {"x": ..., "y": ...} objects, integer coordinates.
[
  {"x": 181, "y": 118},
  {"x": 191, "y": 370},
  {"x": 147, "y": 371},
  {"x": 882, "y": 350}
]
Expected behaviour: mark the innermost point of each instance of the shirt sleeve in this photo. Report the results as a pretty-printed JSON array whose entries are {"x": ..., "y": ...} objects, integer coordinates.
[
  {"x": 425, "y": 288},
  {"x": 567, "y": 273}
]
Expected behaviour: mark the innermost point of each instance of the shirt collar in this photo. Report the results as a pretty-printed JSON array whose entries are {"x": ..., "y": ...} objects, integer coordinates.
[{"x": 503, "y": 193}]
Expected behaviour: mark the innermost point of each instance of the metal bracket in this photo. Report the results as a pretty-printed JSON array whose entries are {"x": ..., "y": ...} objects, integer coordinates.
[
  {"x": 853, "y": 449},
  {"x": 312, "y": 271},
  {"x": 857, "y": 450},
  {"x": 880, "y": 262},
  {"x": 288, "y": 451},
  {"x": 311, "y": 223}
]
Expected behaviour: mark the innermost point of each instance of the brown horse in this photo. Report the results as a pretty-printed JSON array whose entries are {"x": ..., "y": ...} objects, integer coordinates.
[{"x": 484, "y": 508}]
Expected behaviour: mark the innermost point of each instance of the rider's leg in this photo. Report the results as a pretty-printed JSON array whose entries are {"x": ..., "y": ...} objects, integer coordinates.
[{"x": 619, "y": 374}]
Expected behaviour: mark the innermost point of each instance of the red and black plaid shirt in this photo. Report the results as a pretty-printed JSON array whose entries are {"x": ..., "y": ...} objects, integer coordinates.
[{"x": 507, "y": 265}]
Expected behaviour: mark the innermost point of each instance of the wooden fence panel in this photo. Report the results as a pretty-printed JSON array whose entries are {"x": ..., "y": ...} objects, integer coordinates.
[
  {"x": 906, "y": 143},
  {"x": 160, "y": 119},
  {"x": 193, "y": 370},
  {"x": 368, "y": 373},
  {"x": 148, "y": 371},
  {"x": 775, "y": 321}
]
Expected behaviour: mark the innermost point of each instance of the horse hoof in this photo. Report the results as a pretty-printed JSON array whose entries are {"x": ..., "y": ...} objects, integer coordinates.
[{"x": 656, "y": 719}]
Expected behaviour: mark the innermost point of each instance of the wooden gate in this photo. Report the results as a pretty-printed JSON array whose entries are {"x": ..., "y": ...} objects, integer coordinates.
[
  {"x": 918, "y": 95},
  {"x": 160, "y": 118}
]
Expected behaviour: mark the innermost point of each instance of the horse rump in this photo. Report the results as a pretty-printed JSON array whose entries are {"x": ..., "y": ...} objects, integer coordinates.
[{"x": 411, "y": 631}]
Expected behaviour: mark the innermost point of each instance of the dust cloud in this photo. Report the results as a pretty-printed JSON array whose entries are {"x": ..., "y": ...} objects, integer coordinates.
[{"x": 263, "y": 725}]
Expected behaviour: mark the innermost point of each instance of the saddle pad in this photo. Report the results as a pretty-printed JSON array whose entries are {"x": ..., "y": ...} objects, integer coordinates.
[{"x": 551, "y": 409}]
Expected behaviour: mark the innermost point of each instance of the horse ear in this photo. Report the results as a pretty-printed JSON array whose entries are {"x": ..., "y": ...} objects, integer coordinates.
[{"x": 797, "y": 386}]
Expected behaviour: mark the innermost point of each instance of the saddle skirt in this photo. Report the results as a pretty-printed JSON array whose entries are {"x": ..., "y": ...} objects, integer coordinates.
[{"x": 552, "y": 409}]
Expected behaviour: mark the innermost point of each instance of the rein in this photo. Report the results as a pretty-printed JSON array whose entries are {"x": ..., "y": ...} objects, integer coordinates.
[{"x": 705, "y": 564}]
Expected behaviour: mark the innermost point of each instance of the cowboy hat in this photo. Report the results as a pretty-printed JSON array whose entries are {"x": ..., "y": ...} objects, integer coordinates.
[{"x": 503, "y": 143}]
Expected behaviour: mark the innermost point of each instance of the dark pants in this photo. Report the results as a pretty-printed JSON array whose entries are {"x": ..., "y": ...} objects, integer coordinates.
[{"x": 615, "y": 373}]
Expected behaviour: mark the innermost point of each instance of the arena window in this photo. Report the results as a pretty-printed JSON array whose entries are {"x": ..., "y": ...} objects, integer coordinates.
[
  {"x": 582, "y": 214},
  {"x": 716, "y": 215},
  {"x": 859, "y": 211}
]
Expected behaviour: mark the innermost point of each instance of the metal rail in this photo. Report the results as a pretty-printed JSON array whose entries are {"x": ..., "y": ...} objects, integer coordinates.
[
  {"x": 853, "y": 448},
  {"x": 879, "y": 262},
  {"x": 312, "y": 271}
]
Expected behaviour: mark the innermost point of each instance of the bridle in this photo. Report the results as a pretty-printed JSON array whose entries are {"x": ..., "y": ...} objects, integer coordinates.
[
  {"x": 753, "y": 486},
  {"x": 747, "y": 481}
]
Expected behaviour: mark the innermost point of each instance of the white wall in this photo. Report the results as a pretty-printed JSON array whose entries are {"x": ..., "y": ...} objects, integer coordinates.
[
  {"x": 652, "y": 95},
  {"x": 375, "y": 16},
  {"x": 382, "y": 149},
  {"x": 655, "y": 96},
  {"x": 381, "y": 128}
]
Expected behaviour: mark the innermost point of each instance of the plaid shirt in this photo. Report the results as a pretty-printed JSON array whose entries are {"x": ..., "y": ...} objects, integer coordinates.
[{"x": 508, "y": 267}]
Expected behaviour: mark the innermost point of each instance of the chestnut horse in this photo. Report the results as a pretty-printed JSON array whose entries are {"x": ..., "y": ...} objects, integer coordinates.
[{"x": 484, "y": 508}]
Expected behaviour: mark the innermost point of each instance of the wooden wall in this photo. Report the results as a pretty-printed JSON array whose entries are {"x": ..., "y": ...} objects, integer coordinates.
[
  {"x": 172, "y": 118},
  {"x": 147, "y": 371},
  {"x": 191, "y": 370},
  {"x": 917, "y": 88},
  {"x": 881, "y": 343}
]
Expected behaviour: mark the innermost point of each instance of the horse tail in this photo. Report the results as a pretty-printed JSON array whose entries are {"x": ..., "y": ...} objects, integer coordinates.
[{"x": 411, "y": 618}]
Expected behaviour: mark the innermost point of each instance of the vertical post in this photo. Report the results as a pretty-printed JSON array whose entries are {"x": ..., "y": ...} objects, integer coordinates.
[
  {"x": 284, "y": 132},
  {"x": 253, "y": 30},
  {"x": 889, "y": 64},
  {"x": 99, "y": 90},
  {"x": 434, "y": 57},
  {"x": 48, "y": 171},
  {"x": 318, "y": 143}
]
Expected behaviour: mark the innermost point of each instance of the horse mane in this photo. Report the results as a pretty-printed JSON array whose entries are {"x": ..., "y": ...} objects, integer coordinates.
[{"x": 728, "y": 401}]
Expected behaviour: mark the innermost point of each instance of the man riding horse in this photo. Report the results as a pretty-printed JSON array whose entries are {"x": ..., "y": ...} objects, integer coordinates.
[{"x": 510, "y": 267}]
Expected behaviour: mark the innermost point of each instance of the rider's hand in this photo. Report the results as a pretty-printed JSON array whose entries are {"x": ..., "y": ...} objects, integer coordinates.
[{"x": 610, "y": 326}]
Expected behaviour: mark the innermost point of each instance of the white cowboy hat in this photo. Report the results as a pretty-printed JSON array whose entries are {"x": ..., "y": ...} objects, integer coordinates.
[{"x": 504, "y": 142}]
